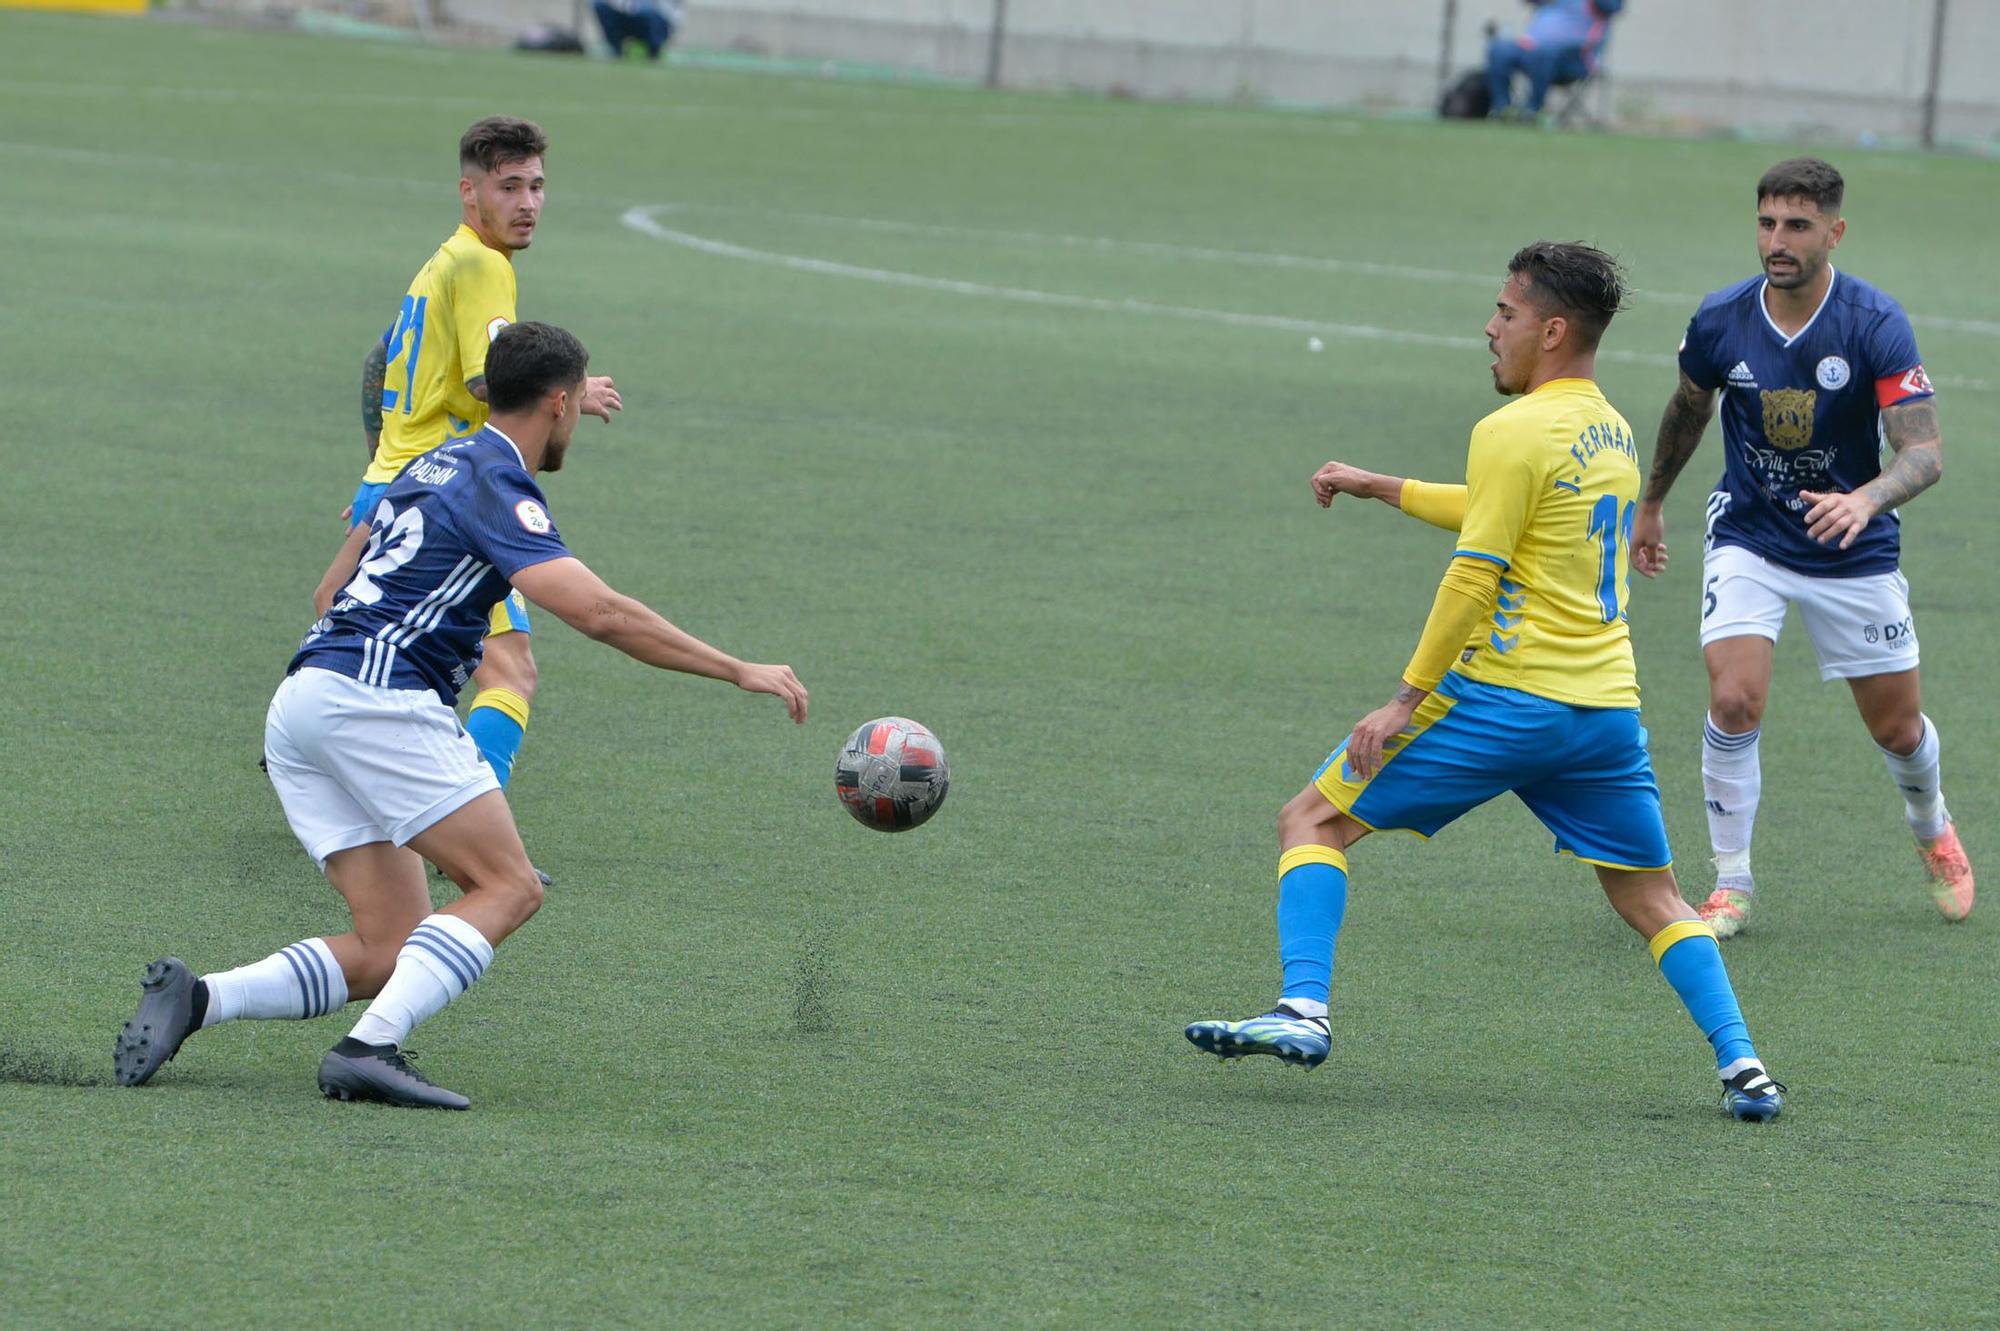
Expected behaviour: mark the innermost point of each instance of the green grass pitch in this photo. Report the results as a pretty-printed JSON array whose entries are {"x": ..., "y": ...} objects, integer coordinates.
[{"x": 755, "y": 1066}]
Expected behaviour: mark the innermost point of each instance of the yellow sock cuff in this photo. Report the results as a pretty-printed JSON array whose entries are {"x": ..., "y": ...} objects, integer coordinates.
[
  {"x": 505, "y": 701},
  {"x": 1298, "y": 855},
  {"x": 1674, "y": 933}
]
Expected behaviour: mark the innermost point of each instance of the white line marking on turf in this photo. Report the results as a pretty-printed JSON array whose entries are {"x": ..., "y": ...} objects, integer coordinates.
[
  {"x": 1250, "y": 258},
  {"x": 645, "y": 219},
  {"x": 642, "y": 219}
]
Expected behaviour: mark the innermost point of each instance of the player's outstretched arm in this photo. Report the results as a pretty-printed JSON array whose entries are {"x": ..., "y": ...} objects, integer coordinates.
[
  {"x": 1912, "y": 431},
  {"x": 567, "y": 589},
  {"x": 1440, "y": 505},
  {"x": 1681, "y": 427}
]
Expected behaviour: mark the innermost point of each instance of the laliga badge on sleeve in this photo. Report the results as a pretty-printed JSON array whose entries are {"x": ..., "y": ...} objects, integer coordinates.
[{"x": 532, "y": 516}]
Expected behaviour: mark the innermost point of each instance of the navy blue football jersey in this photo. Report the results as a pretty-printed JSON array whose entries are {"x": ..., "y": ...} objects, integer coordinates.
[
  {"x": 1802, "y": 413},
  {"x": 444, "y": 543}
]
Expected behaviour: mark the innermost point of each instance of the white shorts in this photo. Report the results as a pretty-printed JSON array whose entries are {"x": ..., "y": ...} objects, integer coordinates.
[
  {"x": 1858, "y": 626},
  {"x": 354, "y": 763}
]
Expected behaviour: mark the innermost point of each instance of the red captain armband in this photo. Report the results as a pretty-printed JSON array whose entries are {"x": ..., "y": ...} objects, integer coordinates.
[{"x": 1893, "y": 388}]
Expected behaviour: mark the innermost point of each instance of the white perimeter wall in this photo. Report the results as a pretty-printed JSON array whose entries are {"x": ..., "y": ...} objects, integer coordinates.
[{"x": 1843, "y": 66}]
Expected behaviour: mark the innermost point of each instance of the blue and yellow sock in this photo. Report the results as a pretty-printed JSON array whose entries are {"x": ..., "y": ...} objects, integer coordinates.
[
  {"x": 1312, "y": 897},
  {"x": 1692, "y": 963},
  {"x": 497, "y": 721}
]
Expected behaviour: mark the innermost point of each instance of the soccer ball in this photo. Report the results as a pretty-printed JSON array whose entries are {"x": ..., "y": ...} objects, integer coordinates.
[{"x": 891, "y": 774}]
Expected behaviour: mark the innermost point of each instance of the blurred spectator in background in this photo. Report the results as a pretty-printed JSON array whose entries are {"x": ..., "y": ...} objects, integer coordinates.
[
  {"x": 649, "y": 21},
  {"x": 1561, "y": 45}
]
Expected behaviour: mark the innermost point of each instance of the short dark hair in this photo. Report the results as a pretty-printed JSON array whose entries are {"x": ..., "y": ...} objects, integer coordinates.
[
  {"x": 530, "y": 360},
  {"x": 499, "y": 139},
  {"x": 1578, "y": 281},
  {"x": 1804, "y": 178}
]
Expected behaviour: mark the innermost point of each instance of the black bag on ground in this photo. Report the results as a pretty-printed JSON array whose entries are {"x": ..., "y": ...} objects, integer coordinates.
[{"x": 1466, "y": 99}]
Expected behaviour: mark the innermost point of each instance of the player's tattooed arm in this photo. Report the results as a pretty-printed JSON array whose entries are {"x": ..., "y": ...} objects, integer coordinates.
[
  {"x": 1912, "y": 429},
  {"x": 1681, "y": 426},
  {"x": 372, "y": 371}
]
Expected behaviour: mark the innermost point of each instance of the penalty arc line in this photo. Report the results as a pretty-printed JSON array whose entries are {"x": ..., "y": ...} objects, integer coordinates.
[
  {"x": 642, "y": 220},
  {"x": 645, "y": 220}
]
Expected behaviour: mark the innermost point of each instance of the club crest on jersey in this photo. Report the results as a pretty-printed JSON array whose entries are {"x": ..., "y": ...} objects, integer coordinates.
[
  {"x": 1832, "y": 373},
  {"x": 1788, "y": 417},
  {"x": 493, "y": 327},
  {"x": 532, "y": 516}
]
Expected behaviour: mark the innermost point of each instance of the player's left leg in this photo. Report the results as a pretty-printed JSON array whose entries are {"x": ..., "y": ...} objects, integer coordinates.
[
  {"x": 1603, "y": 805},
  {"x": 1892, "y": 708},
  {"x": 1685, "y": 950},
  {"x": 479, "y": 848},
  {"x": 1862, "y": 631},
  {"x": 498, "y": 719}
]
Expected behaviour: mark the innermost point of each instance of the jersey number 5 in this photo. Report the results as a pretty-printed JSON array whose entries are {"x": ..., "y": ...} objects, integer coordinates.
[
  {"x": 393, "y": 541},
  {"x": 1612, "y": 530}
]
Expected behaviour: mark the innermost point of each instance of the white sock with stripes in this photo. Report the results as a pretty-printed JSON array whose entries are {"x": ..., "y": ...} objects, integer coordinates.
[
  {"x": 1916, "y": 776},
  {"x": 303, "y": 980},
  {"x": 1732, "y": 781},
  {"x": 442, "y": 958}
]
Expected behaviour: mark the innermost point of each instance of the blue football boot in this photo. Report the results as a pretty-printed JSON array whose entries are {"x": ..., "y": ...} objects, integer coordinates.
[
  {"x": 1749, "y": 1094},
  {"x": 1301, "y": 1041}
]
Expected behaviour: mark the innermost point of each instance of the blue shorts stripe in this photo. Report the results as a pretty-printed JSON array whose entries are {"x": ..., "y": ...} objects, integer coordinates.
[
  {"x": 465, "y": 953},
  {"x": 420, "y": 941}
]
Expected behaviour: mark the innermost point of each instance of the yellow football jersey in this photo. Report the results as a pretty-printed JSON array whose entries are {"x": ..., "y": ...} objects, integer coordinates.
[
  {"x": 1552, "y": 481},
  {"x": 457, "y": 304}
]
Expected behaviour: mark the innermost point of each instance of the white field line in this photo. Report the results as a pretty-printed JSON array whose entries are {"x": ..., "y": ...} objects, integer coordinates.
[
  {"x": 643, "y": 220},
  {"x": 1263, "y": 259},
  {"x": 1101, "y": 244},
  {"x": 646, "y": 221}
]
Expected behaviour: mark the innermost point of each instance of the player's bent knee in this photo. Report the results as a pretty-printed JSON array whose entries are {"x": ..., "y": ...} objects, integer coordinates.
[
  {"x": 1304, "y": 814},
  {"x": 1737, "y": 711},
  {"x": 1900, "y": 736},
  {"x": 516, "y": 890}
]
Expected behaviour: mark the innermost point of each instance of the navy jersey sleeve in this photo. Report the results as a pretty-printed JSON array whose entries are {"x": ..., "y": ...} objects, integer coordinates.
[
  {"x": 1697, "y": 360},
  {"x": 512, "y": 529},
  {"x": 1893, "y": 362}
]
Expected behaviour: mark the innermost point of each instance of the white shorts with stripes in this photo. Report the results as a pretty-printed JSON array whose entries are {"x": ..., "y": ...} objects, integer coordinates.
[
  {"x": 355, "y": 763},
  {"x": 1858, "y": 626}
]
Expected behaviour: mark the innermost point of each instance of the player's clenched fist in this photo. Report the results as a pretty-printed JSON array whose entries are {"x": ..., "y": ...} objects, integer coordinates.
[{"x": 1337, "y": 478}]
